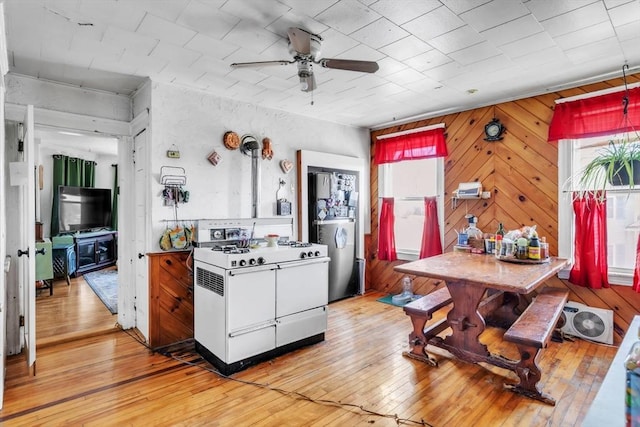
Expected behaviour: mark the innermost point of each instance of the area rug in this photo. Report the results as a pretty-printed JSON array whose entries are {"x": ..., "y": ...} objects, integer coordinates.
[
  {"x": 105, "y": 284},
  {"x": 388, "y": 300}
]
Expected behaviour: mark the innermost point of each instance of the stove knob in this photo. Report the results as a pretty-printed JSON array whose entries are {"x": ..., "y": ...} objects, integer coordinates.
[
  {"x": 242, "y": 263},
  {"x": 317, "y": 253},
  {"x": 252, "y": 261},
  {"x": 310, "y": 254},
  {"x": 261, "y": 261},
  {"x": 303, "y": 255}
]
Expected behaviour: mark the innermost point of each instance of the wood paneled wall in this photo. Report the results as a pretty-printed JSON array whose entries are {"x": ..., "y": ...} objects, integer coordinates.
[{"x": 521, "y": 173}]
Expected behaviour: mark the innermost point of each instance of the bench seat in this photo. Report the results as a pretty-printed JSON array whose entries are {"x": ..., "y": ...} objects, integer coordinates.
[{"x": 531, "y": 333}]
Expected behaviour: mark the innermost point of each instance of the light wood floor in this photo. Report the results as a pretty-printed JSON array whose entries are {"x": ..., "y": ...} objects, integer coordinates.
[
  {"x": 71, "y": 312},
  {"x": 112, "y": 379}
]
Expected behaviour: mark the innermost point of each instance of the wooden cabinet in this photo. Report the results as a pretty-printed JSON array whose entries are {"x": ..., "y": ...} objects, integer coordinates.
[
  {"x": 170, "y": 298},
  {"x": 95, "y": 250}
]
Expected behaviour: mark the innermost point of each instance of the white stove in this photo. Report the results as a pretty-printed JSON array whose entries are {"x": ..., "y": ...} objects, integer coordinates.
[
  {"x": 231, "y": 256},
  {"x": 255, "y": 303}
]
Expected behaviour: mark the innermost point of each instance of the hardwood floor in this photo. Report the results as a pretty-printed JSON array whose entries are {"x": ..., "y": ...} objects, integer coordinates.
[
  {"x": 71, "y": 312},
  {"x": 112, "y": 379}
]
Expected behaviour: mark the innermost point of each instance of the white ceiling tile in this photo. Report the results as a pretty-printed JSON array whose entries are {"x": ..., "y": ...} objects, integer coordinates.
[
  {"x": 511, "y": 31},
  {"x": 211, "y": 65},
  {"x": 251, "y": 37},
  {"x": 335, "y": 43},
  {"x": 166, "y": 9},
  {"x": 362, "y": 53},
  {"x": 175, "y": 54},
  {"x": 625, "y": 13},
  {"x": 290, "y": 19},
  {"x": 144, "y": 65},
  {"x": 458, "y": 39},
  {"x": 545, "y": 9},
  {"x": 433, "y": 58},
  {"x": 528, "y": 45},
  {"x": 207, "y": 19},
  {"x": 379, "y": 33},
  {"x": 586, "y": 36},
  {"x": 577, "y": 19},
  {"x": 603, "y": 48},
  {"x": 406, "y": 77},
  {"x": 259, "y": 13},
  {"x": 389, "y": 66},
  {"x": 132, "y": 42},
  {"x": 433, "y": 24},
  {"x": 461, "y": 6},
  {"x": 475, "y": 53},
  {"x": 406, "y": 48},
  {"x": 161, "y": 29},
  {"x": 410, "y": 9},
  {"x": 210, "y": 46},
  {"x": 610, "y": 4},
  {"x": 309, "y": 8},
  {"x": 347, "y": 16},
  {"x": 550, "y": 54},
  {"x": 493, "y": 14},
  {"x": 247, "y": 75},
  {"x": 628, "y": 31},
  {"x": 218, "y": 82},
  {"x": 630, "y": 49},
  {"x": 445, "y": 71}
]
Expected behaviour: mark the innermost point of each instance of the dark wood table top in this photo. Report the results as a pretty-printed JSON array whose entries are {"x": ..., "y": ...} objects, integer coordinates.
[{"x": 485, "y": 271}]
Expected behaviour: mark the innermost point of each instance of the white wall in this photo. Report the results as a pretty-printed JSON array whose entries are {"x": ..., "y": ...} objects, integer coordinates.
[{"x": 195, "y": 123}]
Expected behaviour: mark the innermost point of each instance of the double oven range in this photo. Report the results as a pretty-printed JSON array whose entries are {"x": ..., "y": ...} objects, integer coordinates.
[{"x": 254, "y": 303}]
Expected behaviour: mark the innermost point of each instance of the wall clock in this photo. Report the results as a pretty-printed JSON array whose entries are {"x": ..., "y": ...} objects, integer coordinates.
[{"x": 493, "y": 130}]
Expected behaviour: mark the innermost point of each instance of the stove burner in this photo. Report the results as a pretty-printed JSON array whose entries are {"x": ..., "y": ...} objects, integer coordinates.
[
  {"x": 294, "y": 244},
  {"x": 230, "y": 249}
]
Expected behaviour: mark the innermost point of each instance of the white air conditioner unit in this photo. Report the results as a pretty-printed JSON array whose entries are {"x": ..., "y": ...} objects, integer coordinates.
[{"x": 595, "y": 324}]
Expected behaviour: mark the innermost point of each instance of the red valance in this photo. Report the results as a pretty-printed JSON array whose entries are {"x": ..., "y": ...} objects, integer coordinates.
[
  {"x": 413, "y": 146},
  {"x": 595, "y": 116}
]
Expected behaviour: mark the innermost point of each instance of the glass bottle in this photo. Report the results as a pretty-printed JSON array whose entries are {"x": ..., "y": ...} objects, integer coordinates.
[
  {"x": 499, "y": 237},
  {"x": 632, "y": 389},
  {"x": 534, "y": 248},
  {"x": 406, "y": 287}
]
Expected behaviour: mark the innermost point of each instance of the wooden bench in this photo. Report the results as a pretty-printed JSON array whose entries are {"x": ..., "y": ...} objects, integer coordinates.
[
  {"x": 531, "y": 333},
  {"x": 421, "y": 311}
]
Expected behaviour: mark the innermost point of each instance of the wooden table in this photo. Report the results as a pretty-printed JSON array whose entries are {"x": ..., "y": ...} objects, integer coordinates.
[{"x": 474, "y": 281}]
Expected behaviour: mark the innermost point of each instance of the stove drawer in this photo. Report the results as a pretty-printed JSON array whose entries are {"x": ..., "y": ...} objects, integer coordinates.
[
  {"x": 300, "y": 325},
  {"x": 250, "y": 343},
  {"x": 301, "y": 286}
]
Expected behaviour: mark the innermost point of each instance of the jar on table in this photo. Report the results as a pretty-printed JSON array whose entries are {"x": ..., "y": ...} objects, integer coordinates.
[{"x": 521, "y": 248}]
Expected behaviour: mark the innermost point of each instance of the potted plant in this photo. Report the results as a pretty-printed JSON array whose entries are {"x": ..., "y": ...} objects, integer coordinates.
[{"x": 616, "y": 164}]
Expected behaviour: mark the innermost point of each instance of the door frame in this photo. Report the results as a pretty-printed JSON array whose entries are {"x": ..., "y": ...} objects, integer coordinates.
[{"x": 112, "y": 128}]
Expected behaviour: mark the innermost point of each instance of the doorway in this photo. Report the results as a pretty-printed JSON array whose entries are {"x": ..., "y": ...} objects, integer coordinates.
[{"x": 73, "y": 308}]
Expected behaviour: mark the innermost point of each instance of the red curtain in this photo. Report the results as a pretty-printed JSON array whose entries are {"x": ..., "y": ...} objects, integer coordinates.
[
  {"x": 636, "y": 273},
  {"x": 386, "y": 236},
  {"x": 431, "y": 244},
  {"x": 413, "y": 146},
  {"x": 590, "y": 266},
  {"x": 595, "y": 116}
]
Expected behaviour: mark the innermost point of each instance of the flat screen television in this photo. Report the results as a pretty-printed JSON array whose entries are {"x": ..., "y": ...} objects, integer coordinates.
[{"x": 83, "y": 209}]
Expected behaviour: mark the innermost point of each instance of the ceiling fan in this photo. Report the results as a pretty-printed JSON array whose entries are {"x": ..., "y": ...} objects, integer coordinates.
[{"x": 305, "y": 49}]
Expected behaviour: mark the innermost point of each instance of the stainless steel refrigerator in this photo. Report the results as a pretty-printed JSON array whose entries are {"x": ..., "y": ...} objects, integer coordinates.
[{"x": 340, "y": 237}]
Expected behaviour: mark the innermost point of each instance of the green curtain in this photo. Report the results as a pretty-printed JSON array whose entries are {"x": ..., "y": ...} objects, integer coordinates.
[
  {"x": 116, "y": 193},
  {"x": 73, "y": 172}
]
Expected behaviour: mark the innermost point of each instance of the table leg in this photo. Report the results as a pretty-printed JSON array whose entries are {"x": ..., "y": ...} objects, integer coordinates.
[{"x": 466, "y": 322}]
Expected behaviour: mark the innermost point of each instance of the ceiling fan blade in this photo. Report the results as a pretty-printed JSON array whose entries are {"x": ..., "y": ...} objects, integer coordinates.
[
  {"x": 300, "y": 40},
  {"x": 260, "y": 63},
  {"x": 308, "y": 83},
  {"x": 350, "y": 65}
]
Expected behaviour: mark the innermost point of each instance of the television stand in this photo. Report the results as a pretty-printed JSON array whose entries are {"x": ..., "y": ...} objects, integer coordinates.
[{"x": 95, "y": 250}]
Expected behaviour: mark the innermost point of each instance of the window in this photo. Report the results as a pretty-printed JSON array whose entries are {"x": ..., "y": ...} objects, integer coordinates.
[
  {"x": 623, "y": 209},
  {"x": 409, "y": 182}
]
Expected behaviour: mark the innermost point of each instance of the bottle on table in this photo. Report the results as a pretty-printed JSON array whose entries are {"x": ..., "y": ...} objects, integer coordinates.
[
  {"x": 534, "y": 247},
  {"x": 499, "y": 237}
]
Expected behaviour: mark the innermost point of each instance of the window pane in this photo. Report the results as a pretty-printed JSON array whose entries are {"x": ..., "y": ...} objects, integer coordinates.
[
  {"x": 415, "y": 178},
  {"x": 408, "y": 225},
  {"x": 623, "y": 225}
]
